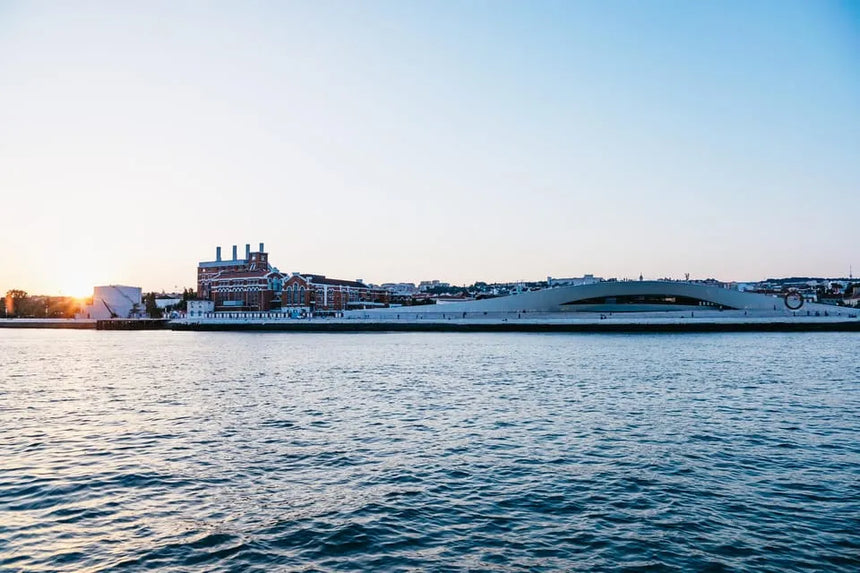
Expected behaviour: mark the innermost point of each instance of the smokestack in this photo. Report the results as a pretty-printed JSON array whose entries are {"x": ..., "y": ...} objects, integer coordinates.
[
  {"x": 218, "y": 254},
  {"x": 234, "y": 253},
  {"x": 261, "y": 248},
  {"x": 247, "y": 251}
]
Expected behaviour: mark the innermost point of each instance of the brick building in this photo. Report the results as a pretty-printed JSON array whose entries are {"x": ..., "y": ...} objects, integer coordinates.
[
  {"x": 318, "y": 293},
  {"x": 248, "y": 284},
  {"x": 251, "y": 284}
]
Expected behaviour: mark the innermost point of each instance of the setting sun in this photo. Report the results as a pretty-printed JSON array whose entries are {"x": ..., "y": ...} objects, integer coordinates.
[
  {"x": 77, "y": 281},
  {"x": 80, "y": 290},
  {"x": 77, "y": 286}
]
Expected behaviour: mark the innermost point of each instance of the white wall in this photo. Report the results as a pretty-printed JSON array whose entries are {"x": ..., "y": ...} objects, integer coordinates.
[
  {"x": 122, "y": 300},
  {"x": 197, "y": 308}
]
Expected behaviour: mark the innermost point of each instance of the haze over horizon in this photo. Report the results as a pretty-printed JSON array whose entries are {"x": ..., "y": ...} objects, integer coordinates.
[{"x": 396, "y": 141}]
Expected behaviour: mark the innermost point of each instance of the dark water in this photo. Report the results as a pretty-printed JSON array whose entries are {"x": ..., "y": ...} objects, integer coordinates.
[{"x": 429, "y": 452}]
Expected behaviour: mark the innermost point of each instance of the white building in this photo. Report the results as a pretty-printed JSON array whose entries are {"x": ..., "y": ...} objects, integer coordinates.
[
  {"x": 573, "y": 281},
  {"x": 424, "y": 286},
  {"x": 114, "y": 301},
  {"x": 401, "y": 289},
  {"x": 199, "y": 308}
]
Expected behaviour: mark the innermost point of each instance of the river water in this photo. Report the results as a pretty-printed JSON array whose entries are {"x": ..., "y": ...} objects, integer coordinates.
[{"x": 429, "y": 451}]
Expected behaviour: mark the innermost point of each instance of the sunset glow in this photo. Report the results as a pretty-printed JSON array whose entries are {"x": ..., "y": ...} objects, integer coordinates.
[
  {"x": 78, "y": 283},
  {"x": 79, "y": 290}
]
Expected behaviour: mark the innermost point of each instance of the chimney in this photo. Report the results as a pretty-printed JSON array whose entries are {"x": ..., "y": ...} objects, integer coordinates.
[
  {"x": 248, "y": 251},
  {"x": 261, "y": 248},
  {"x": 234, "y": 252},
  {"x": 218, "y": 254}
]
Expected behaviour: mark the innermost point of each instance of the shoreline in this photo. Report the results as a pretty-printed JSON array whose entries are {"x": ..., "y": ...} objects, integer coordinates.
[
  {"x": 59, "y": 323},
  {"x": 537, "y": 325},
  {"x": 525, "y": 325}
]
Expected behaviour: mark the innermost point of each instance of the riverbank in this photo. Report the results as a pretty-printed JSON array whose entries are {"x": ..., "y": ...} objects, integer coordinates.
[
  {"x": 86, "y": 323},
  {"x": 67, "y": 323},
  {"x": 621, "y": 325},
  {"x": 512, "y": 324}
]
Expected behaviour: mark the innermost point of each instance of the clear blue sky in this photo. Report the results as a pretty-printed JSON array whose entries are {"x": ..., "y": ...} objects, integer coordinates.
[{"x": 401, "y": 141}]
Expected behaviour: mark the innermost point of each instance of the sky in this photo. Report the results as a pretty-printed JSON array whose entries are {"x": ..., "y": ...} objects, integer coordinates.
[{"x": 407, "y": 141}]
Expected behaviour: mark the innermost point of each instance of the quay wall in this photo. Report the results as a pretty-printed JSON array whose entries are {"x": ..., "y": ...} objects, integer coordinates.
[
  {"x": 596, "y": 326},
  {"x": 86, "y": 323},
  {"x": 546, "y": 324},
  {"x": 132, "y": 324},
  {"x": 63, "y": 323}
]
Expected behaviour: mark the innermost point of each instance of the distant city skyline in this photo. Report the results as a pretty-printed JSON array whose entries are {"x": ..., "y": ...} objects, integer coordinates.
[{"x": 400, "y": 142}]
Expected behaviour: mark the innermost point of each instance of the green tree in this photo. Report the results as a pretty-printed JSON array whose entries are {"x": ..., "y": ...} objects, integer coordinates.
[
  {"x": 151, "y": 308},
  {"x": 187, "y": 294}
]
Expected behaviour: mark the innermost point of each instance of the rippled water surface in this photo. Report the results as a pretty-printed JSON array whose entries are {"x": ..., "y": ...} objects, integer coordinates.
[{"x": 429, "y": 452}]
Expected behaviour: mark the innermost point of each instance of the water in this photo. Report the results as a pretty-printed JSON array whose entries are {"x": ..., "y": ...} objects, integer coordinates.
[{"x": 429, "y": 452}]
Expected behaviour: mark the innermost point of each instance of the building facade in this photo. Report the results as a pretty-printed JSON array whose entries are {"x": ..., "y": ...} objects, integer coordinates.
[
  {"x": 252, "y": 284},
  {"x": 246, "y": 284},
  {"x": 199, "y": 308},
  {"x": 321, "y": 294}
]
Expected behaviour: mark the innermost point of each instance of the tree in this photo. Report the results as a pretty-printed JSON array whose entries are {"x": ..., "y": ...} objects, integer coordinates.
[
  {"x": 14, "y": 298},
  {"x": 187, "y": 294},
  {"x": 151, "y": 307},
  {"x": 16, "y": 294}
]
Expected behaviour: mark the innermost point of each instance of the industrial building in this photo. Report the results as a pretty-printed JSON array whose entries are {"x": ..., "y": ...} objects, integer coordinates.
[
  {"x": 252, "y": 284},
  {"x": 318, "y": 293},
  {"x": 240, "y": 285}
]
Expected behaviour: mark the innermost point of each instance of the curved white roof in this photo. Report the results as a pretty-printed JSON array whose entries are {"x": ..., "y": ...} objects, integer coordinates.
[{"x": 566, "y": 298}]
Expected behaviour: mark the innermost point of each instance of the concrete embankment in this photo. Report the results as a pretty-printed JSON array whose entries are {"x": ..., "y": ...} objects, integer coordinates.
[
  {"x": 608, "y": 326},
  {"x": 63, "y": 323},
  {"x": 513, "y": 325},
  {"x": 86, "y": 324},
  {"x": 132, "y": 324}
]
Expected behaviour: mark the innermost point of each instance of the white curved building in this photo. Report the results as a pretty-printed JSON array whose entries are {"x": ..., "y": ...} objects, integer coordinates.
[
  {"x": 615, "y": 297},
  {"x": 114, "y": 301}
]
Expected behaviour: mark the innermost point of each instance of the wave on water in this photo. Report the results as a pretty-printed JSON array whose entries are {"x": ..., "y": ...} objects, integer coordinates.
[{"x": 715, "y": 452}]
